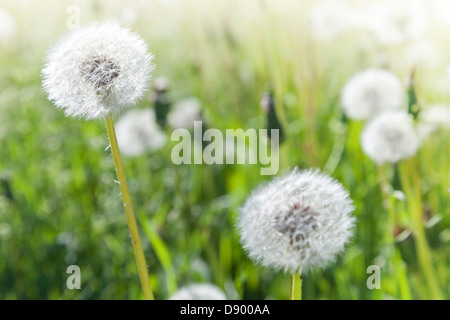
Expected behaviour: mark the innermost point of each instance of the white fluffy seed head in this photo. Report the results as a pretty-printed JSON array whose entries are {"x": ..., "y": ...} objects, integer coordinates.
[
  {"x": 437, "y": 116},
  {"x": 137, "y": 132},
  {"x": 184, "y": 113},
  {"x": 7, "y": 27},
  {"x": 199, "y": 292},
  {"x": 424, "y": 130},
  {"x": 97, "y": 71},
  {"x": 329, "y": 19},
  {"x": 424, "y": 53},
  {"x": 371, "y": 92},
  {"x": 395, "y": 22},
  {"x": 161, "y": 84},
  {"x": 390, "y": 137},
  {"x": 296, "y": 222}
]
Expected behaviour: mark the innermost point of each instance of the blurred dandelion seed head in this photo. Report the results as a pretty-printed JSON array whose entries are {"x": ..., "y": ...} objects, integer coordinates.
[
  {"x": 371, "y": 92},
  {"x": 137, "y": 133},
  {"x": 298, "y": 221},
  {"x": 161, "y": 84},
  {"x": 8, "y": 27},
  {"x": 184, "y": 113},
  {"x": 330, "y": 19},
  {"x": 266, "y": 102},
  {"x": 399, "y": 21},
  {"x": 199, "y": 292},
  {"x": 97, "y": 71},
  {"x": 390, "y": 137},
  {"x": 437, "y": 116}
]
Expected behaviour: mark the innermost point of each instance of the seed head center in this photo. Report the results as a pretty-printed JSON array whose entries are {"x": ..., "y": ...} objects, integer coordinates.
[
  {"x": 296, "y": 224},
  {"x": 100, "y": 71}
]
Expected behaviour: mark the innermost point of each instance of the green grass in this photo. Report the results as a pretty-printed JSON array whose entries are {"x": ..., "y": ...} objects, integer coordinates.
[{"x": 59, "y": 204}]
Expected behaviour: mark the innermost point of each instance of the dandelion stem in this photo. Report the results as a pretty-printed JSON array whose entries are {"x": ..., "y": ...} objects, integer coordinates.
[
  {"x": 131, "y": 219},
  {"x": 296, "y": 286}
]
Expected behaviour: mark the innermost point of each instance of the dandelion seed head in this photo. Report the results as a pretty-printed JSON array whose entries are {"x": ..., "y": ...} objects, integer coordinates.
[
  {"x": 396, "y": 22},
  {"x": 399, "y": 195},
  {"x": 161, "y": 84},
  {"x": 330, "y": 19},
  {"x": 424, "y": 53},
  {"x": 371, "y": 92},
  {"x": 7, "y": 27},
  {"x": 440, "y": 10},
  {"x": 437, "y": 116},
  {"x": 390, "y": 137},
  {"x": 424, "y": 130},
  {"x": 199, "y": 292},
  {"x": 297, "y": 222},
  {"x": 431, "y": 119},
  {"x": 184, "y": 113},
  {"x": 137, "y": 132},
  {"x": 97, "y": 71},
  {"x": 100, "y": 71}
]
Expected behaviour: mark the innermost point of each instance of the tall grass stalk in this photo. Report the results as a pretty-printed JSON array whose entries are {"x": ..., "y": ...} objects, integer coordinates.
[{"x": 412, "y": 186}]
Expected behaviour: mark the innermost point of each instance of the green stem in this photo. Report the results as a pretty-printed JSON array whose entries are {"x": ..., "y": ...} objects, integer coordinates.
[
  {"x": 296, "y": 286},
  {"x": 128, "y": 206}
]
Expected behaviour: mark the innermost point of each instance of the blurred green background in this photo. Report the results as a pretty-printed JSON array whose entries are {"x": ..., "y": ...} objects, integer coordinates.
[{"x": 59, "y": 204}]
